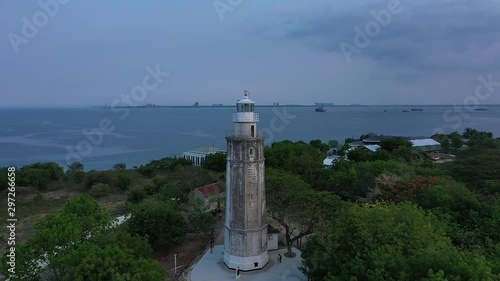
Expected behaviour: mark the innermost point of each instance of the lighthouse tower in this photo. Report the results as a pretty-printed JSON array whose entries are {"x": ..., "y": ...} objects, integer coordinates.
[{"x": 245, "y": 227}]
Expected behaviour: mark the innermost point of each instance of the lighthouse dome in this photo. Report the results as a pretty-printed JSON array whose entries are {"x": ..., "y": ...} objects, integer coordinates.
[{"x": 245, "y": 104}]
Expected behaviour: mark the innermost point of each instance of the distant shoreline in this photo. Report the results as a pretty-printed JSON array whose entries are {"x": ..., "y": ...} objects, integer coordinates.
[
  {"x": 284, "y": 105},
  {"x": 232, "y": 106}
]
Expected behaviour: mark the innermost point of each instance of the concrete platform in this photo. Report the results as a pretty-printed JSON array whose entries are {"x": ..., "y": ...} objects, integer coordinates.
[{"x": 211, "y": 268}]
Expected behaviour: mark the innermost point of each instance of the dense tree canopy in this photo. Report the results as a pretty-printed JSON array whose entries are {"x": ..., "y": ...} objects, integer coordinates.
[
  {"x": 391, "y": 144},
  {"x": 215, "y": 162},
  {"x": 37, "y": 175},
  {"x": 159, "y": 221},
  {"x": 389, "y": 242},
  {"x": 295, "y": 206},
  {"x": 78, "y": 243},
  {"x": 298, "y": 158}
]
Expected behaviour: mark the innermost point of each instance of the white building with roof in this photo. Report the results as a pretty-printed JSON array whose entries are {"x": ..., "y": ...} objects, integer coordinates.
[
  {"x": 197, "y": 155},
  {"x": 426, "y": 144}
]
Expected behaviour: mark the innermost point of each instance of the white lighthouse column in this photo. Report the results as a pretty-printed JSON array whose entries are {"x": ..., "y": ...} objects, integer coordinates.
[{"x": 245, "y": 227}]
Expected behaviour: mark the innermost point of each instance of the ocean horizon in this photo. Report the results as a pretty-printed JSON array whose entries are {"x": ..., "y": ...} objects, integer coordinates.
[{"x": 136, "y": 136}]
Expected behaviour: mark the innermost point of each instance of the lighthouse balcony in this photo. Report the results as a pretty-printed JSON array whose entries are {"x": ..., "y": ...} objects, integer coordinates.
[
  {"x": 245, "y": 117},
  {"x": 244, "y": 134}
]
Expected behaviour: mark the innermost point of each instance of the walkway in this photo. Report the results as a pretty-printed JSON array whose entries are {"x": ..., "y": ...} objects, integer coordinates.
[{"x": 211, "y": 268}]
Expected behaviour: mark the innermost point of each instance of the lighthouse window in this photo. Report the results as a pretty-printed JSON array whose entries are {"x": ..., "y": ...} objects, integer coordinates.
[
  {"x": 251, "y": 151},
  {"x": 247, "y": 107}
]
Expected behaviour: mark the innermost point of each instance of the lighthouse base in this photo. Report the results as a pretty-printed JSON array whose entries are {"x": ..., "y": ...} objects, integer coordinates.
[{"x": 246, "y": 263}]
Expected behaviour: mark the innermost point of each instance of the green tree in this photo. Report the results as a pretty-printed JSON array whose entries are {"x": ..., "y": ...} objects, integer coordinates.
[
  {"x": 123, "y": 182},
  {"x": 446, "y": 144},
  {"x": 475, "y": 165},
  {"x": 113, "y": 261},
  {"x": 4, "y": 182},
  {"x": 216, "y": 162},
  {"x": 333, "y": 143},
  {"x": 342, "y": 179},
  {"x": 76, "y": 166},
  {"x": 456, "y": 140},
  {"x": 146, "y": 171},
  {"x": 94, "y": 177},
  {"x": 99, "y": 190},
  {"x": 388, "y": 242},
  {"x": 120, "y": 167},
  {"x": 136, "y": 196},
  {"x": 296, "y": 207},
  {"x": 353, "y": 181},
  {"x": 35, "y": 177},
  {"x": 161, "y": 222},
  {"x": 59, "y": 233},
  {"x": 296, "y": 157},
  {"x": 391, "y": 144},
  {"x": 56, "y": 171},
  {"x": 323, "y": 147},
  {"x": 360, "y": 155},
  {"x": 201, "y": 222},
  {"x": 481, "y": 139}
]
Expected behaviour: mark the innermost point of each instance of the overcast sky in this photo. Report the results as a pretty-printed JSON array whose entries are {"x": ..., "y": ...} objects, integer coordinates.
[{"x": 289, "y": 51}]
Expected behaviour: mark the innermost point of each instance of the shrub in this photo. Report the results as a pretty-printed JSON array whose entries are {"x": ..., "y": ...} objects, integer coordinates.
[
  {"x": 136, "y": 196},
  {"x": 56, "y": 171},
  {"x": 151, "y": 189},
  {"x": 99, "y": 190},
  {"x": 123, "y": 182},
  {"x": 146, "y": 172},
  {"x": 78, "y": 176},
  {"x": 38, "y": 178},
  {"x": 94, "y": 177}
]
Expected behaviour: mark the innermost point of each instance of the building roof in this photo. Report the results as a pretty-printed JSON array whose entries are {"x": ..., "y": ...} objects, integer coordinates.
[
  {"x": 329, "y": 160},
  {"x": 420, "y": 143},
  {"x": 376, "y": 139},
  {"x": 211, "y": 189},
  {"x": 271, "y": 229},
  {"x": 205, "y": 150},
  {"x": 424, "y": 142},
  {"x": 372, "y": 147},
  {"x": 356, "y": 143}
]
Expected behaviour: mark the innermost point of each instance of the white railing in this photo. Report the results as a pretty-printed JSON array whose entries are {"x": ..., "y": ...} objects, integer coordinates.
[{"x": 245, "y": 117}]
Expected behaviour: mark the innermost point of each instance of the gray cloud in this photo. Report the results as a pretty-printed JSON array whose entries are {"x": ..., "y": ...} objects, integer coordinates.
[{"x": 429, "y": 34}]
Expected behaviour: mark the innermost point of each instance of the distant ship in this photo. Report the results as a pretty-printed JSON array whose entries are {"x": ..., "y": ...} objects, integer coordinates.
[
  {"x": 481, "y": 109},
  {"x": 405, "y": 111},
  {"x": 320, "y": 109}
]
